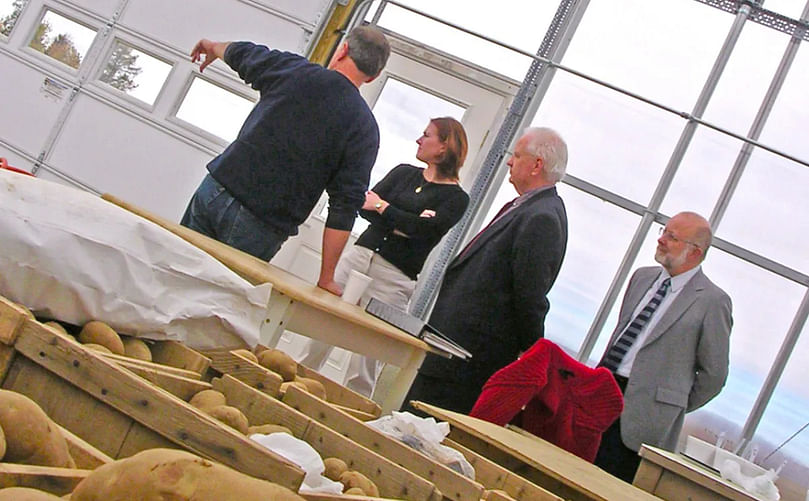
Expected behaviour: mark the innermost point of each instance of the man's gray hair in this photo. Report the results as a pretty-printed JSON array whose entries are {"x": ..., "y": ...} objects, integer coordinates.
[
  {"x": 369, "y": 49},
  {"x": 548, "y": 145}
]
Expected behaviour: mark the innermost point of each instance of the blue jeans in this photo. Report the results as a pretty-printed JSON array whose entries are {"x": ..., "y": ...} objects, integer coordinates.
[{"x": 212, "y": 211}]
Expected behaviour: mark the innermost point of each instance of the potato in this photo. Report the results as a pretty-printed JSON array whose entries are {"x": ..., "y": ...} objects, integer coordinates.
[
  {"x": 168, "y": 474},
  {"x": 97, "y": 347},
  {"x": 334, "y": 468},
  {"x": 279, "y": 362},
  {"x": 136, "y": 348},
  {"x": 31, "y": 437},
  {"x": 2, "y": 444},
  {"x": 353, "y": 478},
  {"x": 206, "y": 400},
  {"x": 284, "y": 386},
  {"x": 313, "y": 386},
  {"x": 25, "y": 494},
  {"x": 101, "y": 333},
  {"x": 355, "y": 491},
  {"x": 231, "y": 416},
  {"x": 266, "y": 429},
  {"x": 247, "y": 354},
  {"x": 59, "y": 327}
]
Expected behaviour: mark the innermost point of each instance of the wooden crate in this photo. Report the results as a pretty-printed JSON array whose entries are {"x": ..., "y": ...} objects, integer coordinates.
[
  {"x": 392, "y": 480},
  {"x": 57, "y": 481},
  {"x": 112, "y": 408},
  {"x": 224, "y": 361},
  {"x": 452, "y": 484}
]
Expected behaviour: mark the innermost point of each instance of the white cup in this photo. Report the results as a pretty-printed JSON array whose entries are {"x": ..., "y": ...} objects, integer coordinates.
[{"x": 356, "y": 285}]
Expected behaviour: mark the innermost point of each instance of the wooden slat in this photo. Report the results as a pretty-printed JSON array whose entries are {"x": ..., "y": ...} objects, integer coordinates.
[
  {"x": 6, "y": 359},
  {"x": 140, "y": 438},
  {"x": 538, "y": 461},
  {"x": 392, "y": 480},
  {"x": 340, "y": 395},
  {"x": 69, "y": 406},
  {"x": 452, "y": 484},
  {"x": 12, "y": 316},
  {"x": 250, "y": 373},
  {"x": 492, "y": 495},
  {"x": 153, "y": 407},
  {"x": 179, "y": 355},
  {"x": 495, "y": 477},
  {"x": 178, "y": 386},
  {"x": 362, "y": 416},
  {"x": 336, "y": 497},
  {"x": 57, "y": 481},
  {"x": 151, "y": 366},
  {"x": 85, "y": 455}
]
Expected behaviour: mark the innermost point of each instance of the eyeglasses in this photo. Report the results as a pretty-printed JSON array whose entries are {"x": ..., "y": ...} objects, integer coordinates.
[{"x": 664, "y": 233}]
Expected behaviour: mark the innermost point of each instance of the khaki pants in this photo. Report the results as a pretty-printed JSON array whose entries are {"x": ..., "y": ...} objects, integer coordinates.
[{"x": 389, "y": 285}]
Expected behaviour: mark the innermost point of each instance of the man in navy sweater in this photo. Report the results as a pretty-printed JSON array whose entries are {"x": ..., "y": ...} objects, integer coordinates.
[{"x": 310, "y": 130}]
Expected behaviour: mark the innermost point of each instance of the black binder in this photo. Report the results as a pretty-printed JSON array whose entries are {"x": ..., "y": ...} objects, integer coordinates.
[{"x": 416, "y": 327}]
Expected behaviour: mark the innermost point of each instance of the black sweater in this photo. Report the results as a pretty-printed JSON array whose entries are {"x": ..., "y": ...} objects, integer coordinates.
[
  {"x": 398, "y": 188},
  {"x": 310, "y": 130}
]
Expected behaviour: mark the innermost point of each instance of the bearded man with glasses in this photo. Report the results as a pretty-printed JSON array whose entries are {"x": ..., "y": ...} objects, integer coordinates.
[{"x": 669, "y": 351}]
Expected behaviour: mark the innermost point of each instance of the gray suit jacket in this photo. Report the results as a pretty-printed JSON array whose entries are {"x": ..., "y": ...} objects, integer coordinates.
[{"x": 682, "y": 364}]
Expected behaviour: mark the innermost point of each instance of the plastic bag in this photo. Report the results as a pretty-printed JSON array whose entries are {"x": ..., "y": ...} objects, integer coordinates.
[
  {"x": 424, "y": 435},
  {"x": 303, "y": 455}
]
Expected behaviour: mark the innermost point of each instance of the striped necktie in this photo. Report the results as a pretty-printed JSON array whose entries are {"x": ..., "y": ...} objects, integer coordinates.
[{"x": 616, "y": 354}]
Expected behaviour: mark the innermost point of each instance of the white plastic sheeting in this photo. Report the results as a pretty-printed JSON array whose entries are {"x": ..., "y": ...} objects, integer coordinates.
[{"x": 69, "y": 255}]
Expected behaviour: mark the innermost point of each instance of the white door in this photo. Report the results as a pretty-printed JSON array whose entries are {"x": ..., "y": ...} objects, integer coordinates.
[{"x": 417, "y": 85}]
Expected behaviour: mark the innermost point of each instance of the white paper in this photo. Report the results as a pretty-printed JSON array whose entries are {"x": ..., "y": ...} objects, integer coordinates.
[{"x": 69, "y": 255}]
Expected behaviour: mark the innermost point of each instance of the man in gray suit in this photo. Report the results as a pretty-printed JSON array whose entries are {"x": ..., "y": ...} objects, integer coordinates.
[{"x": 669, "y": 351}]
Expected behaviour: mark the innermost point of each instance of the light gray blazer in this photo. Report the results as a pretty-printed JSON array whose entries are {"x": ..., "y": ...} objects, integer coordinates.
[{"x": 682, "y": 364}]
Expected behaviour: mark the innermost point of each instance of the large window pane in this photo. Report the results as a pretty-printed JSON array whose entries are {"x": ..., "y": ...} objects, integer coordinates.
[
  {"x": 789, "y": 120},
  {"x": 62, "y": 39},
  {"x": 615, "y": 142},
  {"x": 662, "y": 50},
  {"x": 702, "y": 173},
  {"x": 402, "y": 113},
  {"x": 598, "y": 233},
  {"x": 214, "y": 109},
  {"x": 135, "y": 73},
  {"x": 767, "y": 211},
  {"x": 787, "y": 413},
  {"x": 746, "y": 78},
  {"x": 515, "y": 22},
  {"x": 764, "y": 305},
  {"x": 9, "y": 12}
]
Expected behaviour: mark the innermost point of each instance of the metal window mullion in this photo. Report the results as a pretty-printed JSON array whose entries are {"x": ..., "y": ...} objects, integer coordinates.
[
  {"x": 515, "y": 117},
  {"x": 794, "y": 332},
  {"x": 663, "y": 186},
  {"x": 756, "y": 128}
]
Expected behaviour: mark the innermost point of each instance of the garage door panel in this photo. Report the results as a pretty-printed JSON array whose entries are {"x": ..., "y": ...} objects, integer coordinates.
[
  {"x": 166, "y": 170},
  {"x": 181, "y": 26},
  {"x": 30, "y": 101}
]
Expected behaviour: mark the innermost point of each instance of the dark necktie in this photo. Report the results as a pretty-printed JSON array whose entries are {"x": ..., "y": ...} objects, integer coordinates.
[
  {"x": 502, "y": 211},
  {"x": 616, "y": 354}
]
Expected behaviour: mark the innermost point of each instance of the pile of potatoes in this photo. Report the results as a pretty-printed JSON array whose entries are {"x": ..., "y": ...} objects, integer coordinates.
[
  {"x": 214, "y": 403},
  {"x": 285, "y": 366},
  {"x": 99, "y": 336},
  {"x": 354, "y": 482}
]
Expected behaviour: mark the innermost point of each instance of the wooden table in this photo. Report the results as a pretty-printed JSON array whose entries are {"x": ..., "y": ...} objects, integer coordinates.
[
  {"x": 675, "y": 477},
  {"x": 305, "y": 309},
  {"x": 541, "y": 462}
]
